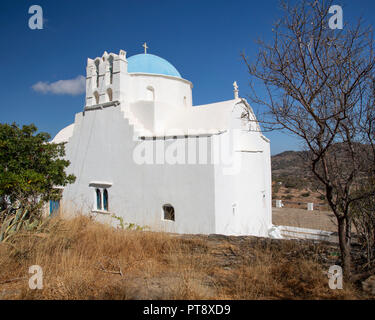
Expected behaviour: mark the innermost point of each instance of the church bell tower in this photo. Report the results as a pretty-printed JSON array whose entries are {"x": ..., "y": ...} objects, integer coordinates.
[{"x": 106, "y": 79}]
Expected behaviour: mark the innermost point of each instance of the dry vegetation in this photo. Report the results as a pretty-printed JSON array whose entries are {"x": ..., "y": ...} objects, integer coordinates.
[
  {"x": 299, "y": 197},
  {"x": 82, "y": 259}
]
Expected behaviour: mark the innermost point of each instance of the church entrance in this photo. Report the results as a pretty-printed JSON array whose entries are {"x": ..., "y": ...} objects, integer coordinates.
[{"x": 54, "y": 207}]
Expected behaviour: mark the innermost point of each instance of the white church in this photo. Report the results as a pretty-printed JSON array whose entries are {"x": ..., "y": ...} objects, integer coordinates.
[{"x": 143, "y": 152}]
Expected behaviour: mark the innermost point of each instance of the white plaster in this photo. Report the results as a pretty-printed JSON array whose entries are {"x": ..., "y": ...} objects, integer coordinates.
[
  {"x": 289, "y": 232},
  {"x": 64, "y": 134},
  {"x": 156, "y": 112}
]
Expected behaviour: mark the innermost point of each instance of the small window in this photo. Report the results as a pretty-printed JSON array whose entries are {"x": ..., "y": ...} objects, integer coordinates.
[
  {"x": 98, "y": 199},
  {"x": 150, "y": 94},
  {"x": 100, "y": 196},
  {"x": 168, "y": 212},
  {"x": 105, "y": 200},
  {"x": 234, "y": 208}
]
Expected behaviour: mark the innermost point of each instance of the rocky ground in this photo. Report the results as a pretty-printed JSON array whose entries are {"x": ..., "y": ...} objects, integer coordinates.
[{"x": 325, "y": 254}]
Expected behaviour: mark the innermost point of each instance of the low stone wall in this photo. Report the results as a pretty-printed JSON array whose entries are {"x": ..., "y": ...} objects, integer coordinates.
[{"x": 289, "y": 232}]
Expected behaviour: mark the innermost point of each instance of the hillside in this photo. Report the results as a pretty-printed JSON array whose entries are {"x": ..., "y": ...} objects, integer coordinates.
[
  {"x": 289, "y": 163},
  {"x": 293, "y": 182},
  {"x": 82, "y": 259}
]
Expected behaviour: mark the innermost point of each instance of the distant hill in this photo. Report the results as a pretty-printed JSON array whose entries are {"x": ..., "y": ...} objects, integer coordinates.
[
  {"x": 291, "y": 167},
  {"x": 290, "y": 163},
  {"x": 293, "y": 182}
]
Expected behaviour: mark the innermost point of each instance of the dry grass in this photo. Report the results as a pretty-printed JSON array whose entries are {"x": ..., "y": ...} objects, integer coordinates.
[{"x": 82, "y": 259}]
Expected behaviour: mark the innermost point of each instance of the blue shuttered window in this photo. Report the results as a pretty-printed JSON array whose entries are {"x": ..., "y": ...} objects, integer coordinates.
[
  {"x": 53, "y": 207},
  {"x": 98, "y": 200},
  {"x": 105, "y": 200},
  {"x": 101, "y": 199}
]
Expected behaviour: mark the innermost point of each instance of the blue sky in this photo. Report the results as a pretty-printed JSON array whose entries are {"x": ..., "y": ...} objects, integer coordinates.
[{"x": 202, "y": 39}]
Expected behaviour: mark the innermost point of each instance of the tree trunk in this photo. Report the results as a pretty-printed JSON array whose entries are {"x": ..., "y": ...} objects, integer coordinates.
[
  {"x": 344, "y": 248},
  {"x": 348, "y": 227}
]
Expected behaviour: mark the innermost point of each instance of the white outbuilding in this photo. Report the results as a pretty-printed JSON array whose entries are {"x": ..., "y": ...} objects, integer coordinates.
[{"x": 142, "y": 152}]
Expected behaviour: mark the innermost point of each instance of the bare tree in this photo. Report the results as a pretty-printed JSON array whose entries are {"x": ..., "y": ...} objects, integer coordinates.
[
  {"x": 364, "y": 209},
  {"x": 364, "y": 222},
  {"x": 319, "y": 85}
]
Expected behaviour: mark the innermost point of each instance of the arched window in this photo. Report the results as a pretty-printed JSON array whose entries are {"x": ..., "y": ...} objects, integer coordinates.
[
  {"x": 98, "y": 199},
  {"x": 168, "y": 211},
  {"x": 234, "y": 209},
  {"x": 96, "y": 95},
  {"x": 105, "y": 200},
  {"x": 110, "y": 60},
  {"x": 97, "y": 72},
  {"x": 150, "y": 94},
  {"x": 110, "y": 94}
]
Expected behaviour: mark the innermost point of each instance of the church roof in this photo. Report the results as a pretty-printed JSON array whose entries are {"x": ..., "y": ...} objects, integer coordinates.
[{"x": 149, "y": 63}]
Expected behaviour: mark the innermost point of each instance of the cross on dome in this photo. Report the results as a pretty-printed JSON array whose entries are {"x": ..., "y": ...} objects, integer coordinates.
[{"x": 145, "y": 46}]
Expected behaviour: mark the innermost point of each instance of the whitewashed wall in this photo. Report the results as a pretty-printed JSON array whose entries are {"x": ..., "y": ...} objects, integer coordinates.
[{"x": 101, "y": 149}]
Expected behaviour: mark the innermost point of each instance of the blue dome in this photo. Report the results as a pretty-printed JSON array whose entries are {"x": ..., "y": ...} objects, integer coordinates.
[{"x": 149, "y": 63}]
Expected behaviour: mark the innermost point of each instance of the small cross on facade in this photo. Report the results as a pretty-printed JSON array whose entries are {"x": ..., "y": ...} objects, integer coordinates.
[{"x": 145, "y": 46}]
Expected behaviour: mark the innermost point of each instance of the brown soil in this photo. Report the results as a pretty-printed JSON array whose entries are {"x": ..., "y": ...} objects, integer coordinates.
[{"x": 322, "y": 220}]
